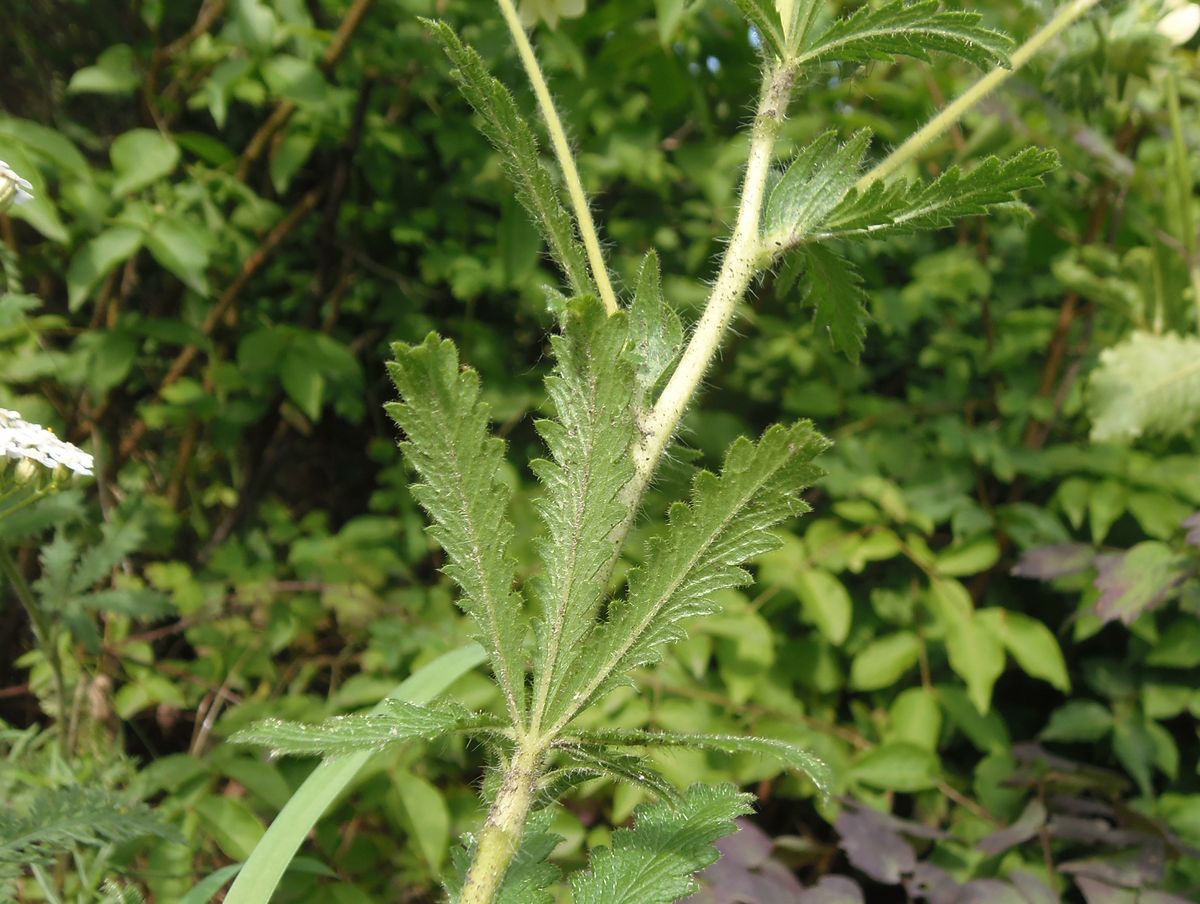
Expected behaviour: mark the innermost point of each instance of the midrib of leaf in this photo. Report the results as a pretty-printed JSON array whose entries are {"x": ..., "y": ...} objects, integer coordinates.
[
  {"x": 1166, "y": 385},
  {"x": 562, "y": 603},
  {"x": 913, "y": 32},
  {"x": 614, "y": 659},
  {"x": 490, "y": 604}
]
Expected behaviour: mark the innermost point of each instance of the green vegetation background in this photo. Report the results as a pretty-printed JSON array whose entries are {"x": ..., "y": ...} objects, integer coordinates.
[{"x": 240, "y": 204}]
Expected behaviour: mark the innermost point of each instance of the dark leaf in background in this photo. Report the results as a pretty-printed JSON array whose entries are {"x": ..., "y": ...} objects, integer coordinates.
[
  {"x": 1193, "y": 529},
  {"x": 1058, "y": 560},
  {"x": 873, "y": 845},
  {"x": 1136, "y": 581},
  {"x": 1026, "y": 827},
  {"x": 833, "y": 890},
  {"x": 746, "y": 874}
]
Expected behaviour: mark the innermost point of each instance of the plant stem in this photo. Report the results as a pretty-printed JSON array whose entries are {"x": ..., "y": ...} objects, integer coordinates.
[
  {"x": 562, "y": 151},
  {"x": 501, "y": 836},
  {"x": 741, "y": 262},
  {"x": 1183, "y": 184},
  {"x": 43, "y": 633},
  {"x": 973, "y": 95}
]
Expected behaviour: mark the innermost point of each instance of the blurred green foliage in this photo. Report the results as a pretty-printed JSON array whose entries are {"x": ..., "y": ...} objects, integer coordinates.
[{"x": 239, "y": 205}]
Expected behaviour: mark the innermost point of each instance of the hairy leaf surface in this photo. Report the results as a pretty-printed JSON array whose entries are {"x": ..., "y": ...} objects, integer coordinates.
[
  {"x": 655, "y": 333},
  {"x": 729, "y": 521},
  {"x": 654, "y": 863},
  {"x": 816, "y": 182},
  {"x": 834, "y": 289},
  {"x": 399, "y": 721},
  {"x": 448, "y": 445},
  {"x": 1146, "y": 384},
  {"x": 514, "y": 138},
  {"x": 592, "y": 389},
  {"x": 765, "y": 18},
  {"x": 909, "y": 29}
]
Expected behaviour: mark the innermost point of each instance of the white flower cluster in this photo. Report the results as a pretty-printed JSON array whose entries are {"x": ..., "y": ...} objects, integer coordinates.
[
  {"x": 13, "y": 189},
  {"x": 20, "y": 439}
]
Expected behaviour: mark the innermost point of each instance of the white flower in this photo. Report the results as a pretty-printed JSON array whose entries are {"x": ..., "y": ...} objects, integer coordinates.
[
  {"x": 1180, "y": 23},
  {"x": 22, "y": 440},
  {"x": 13, "y": 189},
  {"x": 550, "y": 10}
]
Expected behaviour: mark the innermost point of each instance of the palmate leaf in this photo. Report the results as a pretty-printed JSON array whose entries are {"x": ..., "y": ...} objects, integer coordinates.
[
  {"x": 447, "y": 443},
  {"x": 514, "y": 137},
  {"x": 729, "y": 521},
  {"x": 834, "y": 289},
  {"x": 815, "y": 183},
  {"x": 592, "y": 389},
  {"x": 912, "y": 29},
  {"x": 398, "y": 721},
  {"x": 655, "y": 862},
  {"x": 1146, "y": 384},
  {"x": 792, "y": 756},
  {"x": 907, "y": 206}
]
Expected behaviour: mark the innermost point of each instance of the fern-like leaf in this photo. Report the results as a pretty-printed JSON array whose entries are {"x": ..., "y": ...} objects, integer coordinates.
[
  {"x": 448, "y": 445},
  {"x": 909, "y": 29},
  {"x": 59, "y": 819},
  {"x": 834, "y": 289},
  {"x": 514, "y": 138},
  {"x": 399, "y": 721},
  {"x": 907, "y": 206},
  {"x": 1146, "y": 384},
  {"x": 729, "y": 521},
  {"x": 656, "y": 861},
  {"x": 592, "y": 388},
  {"x": 765, "y": 19},
  {"x": 818, "y": 179},
  {"x": 790, "y": 755}
]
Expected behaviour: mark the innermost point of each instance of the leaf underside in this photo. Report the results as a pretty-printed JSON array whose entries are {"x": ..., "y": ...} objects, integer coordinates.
[{"x": 1146, "y": 384}]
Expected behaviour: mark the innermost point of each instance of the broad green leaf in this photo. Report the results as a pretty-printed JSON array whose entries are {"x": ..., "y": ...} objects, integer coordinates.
[
  {"x": 826, "y": 603},
  {"x": 765, "y": 19},
  {"x": 884, "y": 661},
  {"x": 590, "y": 443},
  {"x": 1078, "y": 721},
  {"x": 304, "y": 384},
  {"x": 1030, "y": 643},
  {"x": 113, "y": 73},
  {"x": 730, "y": 520},
  {"x": 912, "y": 29},
  {"x": 915, "y": 717},
  {"x": 40, "y": 212},
  {"x": 905, "y": 206},
  {"x": 897, "y": 766},
  {"x": 1178, "y": 647},
  {"x": 398, "y": 722},
  {"x": 448, "y": 444},
  {"x": 1134, "y": 746},
  {"x": 815, "y": 184},
  {"x": 654, "y": 863},
  {"x": 427, "y": 816},
  {"x": 790, "y": 755},
  {"x": 514, "y": 138},
  {"x": 182, "y": 247},
  {"x": 266, "y": 865},
  {"x": 141, "y": 157},
  {"x": 976, "y": 654},
  {"x": 1147, "y": 384},
  {"x": 96, "y": 258},
  {"x": 834, "y": 289},
  {"x": 230, "y": 823}
]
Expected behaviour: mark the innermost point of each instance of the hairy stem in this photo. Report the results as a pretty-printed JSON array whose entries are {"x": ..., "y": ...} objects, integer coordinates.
[
  {"x": 501, "y": 836},
  {"x": 742, "y": 261},
  {"x": 562, "y": 151},
  {"x": 973, "y": 95}
]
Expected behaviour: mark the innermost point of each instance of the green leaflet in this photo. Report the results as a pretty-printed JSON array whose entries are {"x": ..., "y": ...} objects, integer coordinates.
[
  {"x": 655, "y": 333},
  {"x": 834, "y": 289},
  {"x": 514, "y": 137},
  {"x": 764, "y": 17},
  {"x": 816, "y": 182},
  {"x": 654, "y": 863},
  {"x": 907, "y": 206},
  {"x": 584, "y": 762},
  {"x": 911, "y": 29},
  {"x": 592, "y": 388},
  {"x": 1146, "y": 384},
  {"x": 728, "y": 521},
  {"x": 794, "y": 757},
  {"x": 447, "y": 443},
  {"x": 398, "y": 721}
]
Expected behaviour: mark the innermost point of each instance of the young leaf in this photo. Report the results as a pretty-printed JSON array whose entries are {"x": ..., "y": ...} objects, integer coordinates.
[
  {"x": 834, "y": 289},
  {"x": 398, "y": 721},
  {"x": 590, "y": 761},
  {"x": 911, "y": 29},
  {"x": 592, "y": 388},
  {"x": 765, "y": 18},
  {"x": 729, "y": 521},
  {"x": 1146, "y": 384},
  {"x": 816, "y": 182},
  {"x": 515, "y": 139},
  {"x": 446, "y": 424},
  {"x": 908, "y": 206},
  {"x": 655, "y": 333},
  {"x": 654, "y": 863},
  {"x": 789, "y": 754}
]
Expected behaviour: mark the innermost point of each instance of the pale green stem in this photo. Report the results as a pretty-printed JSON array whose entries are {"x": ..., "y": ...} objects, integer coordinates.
[
  {"x": 941, "y": 123},
  {"x": 742, "y": 261},
  {"x": 501, "y": 836},
  {"x": 562, "y": 151},
  {"x": 1183, "y": 180}
]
